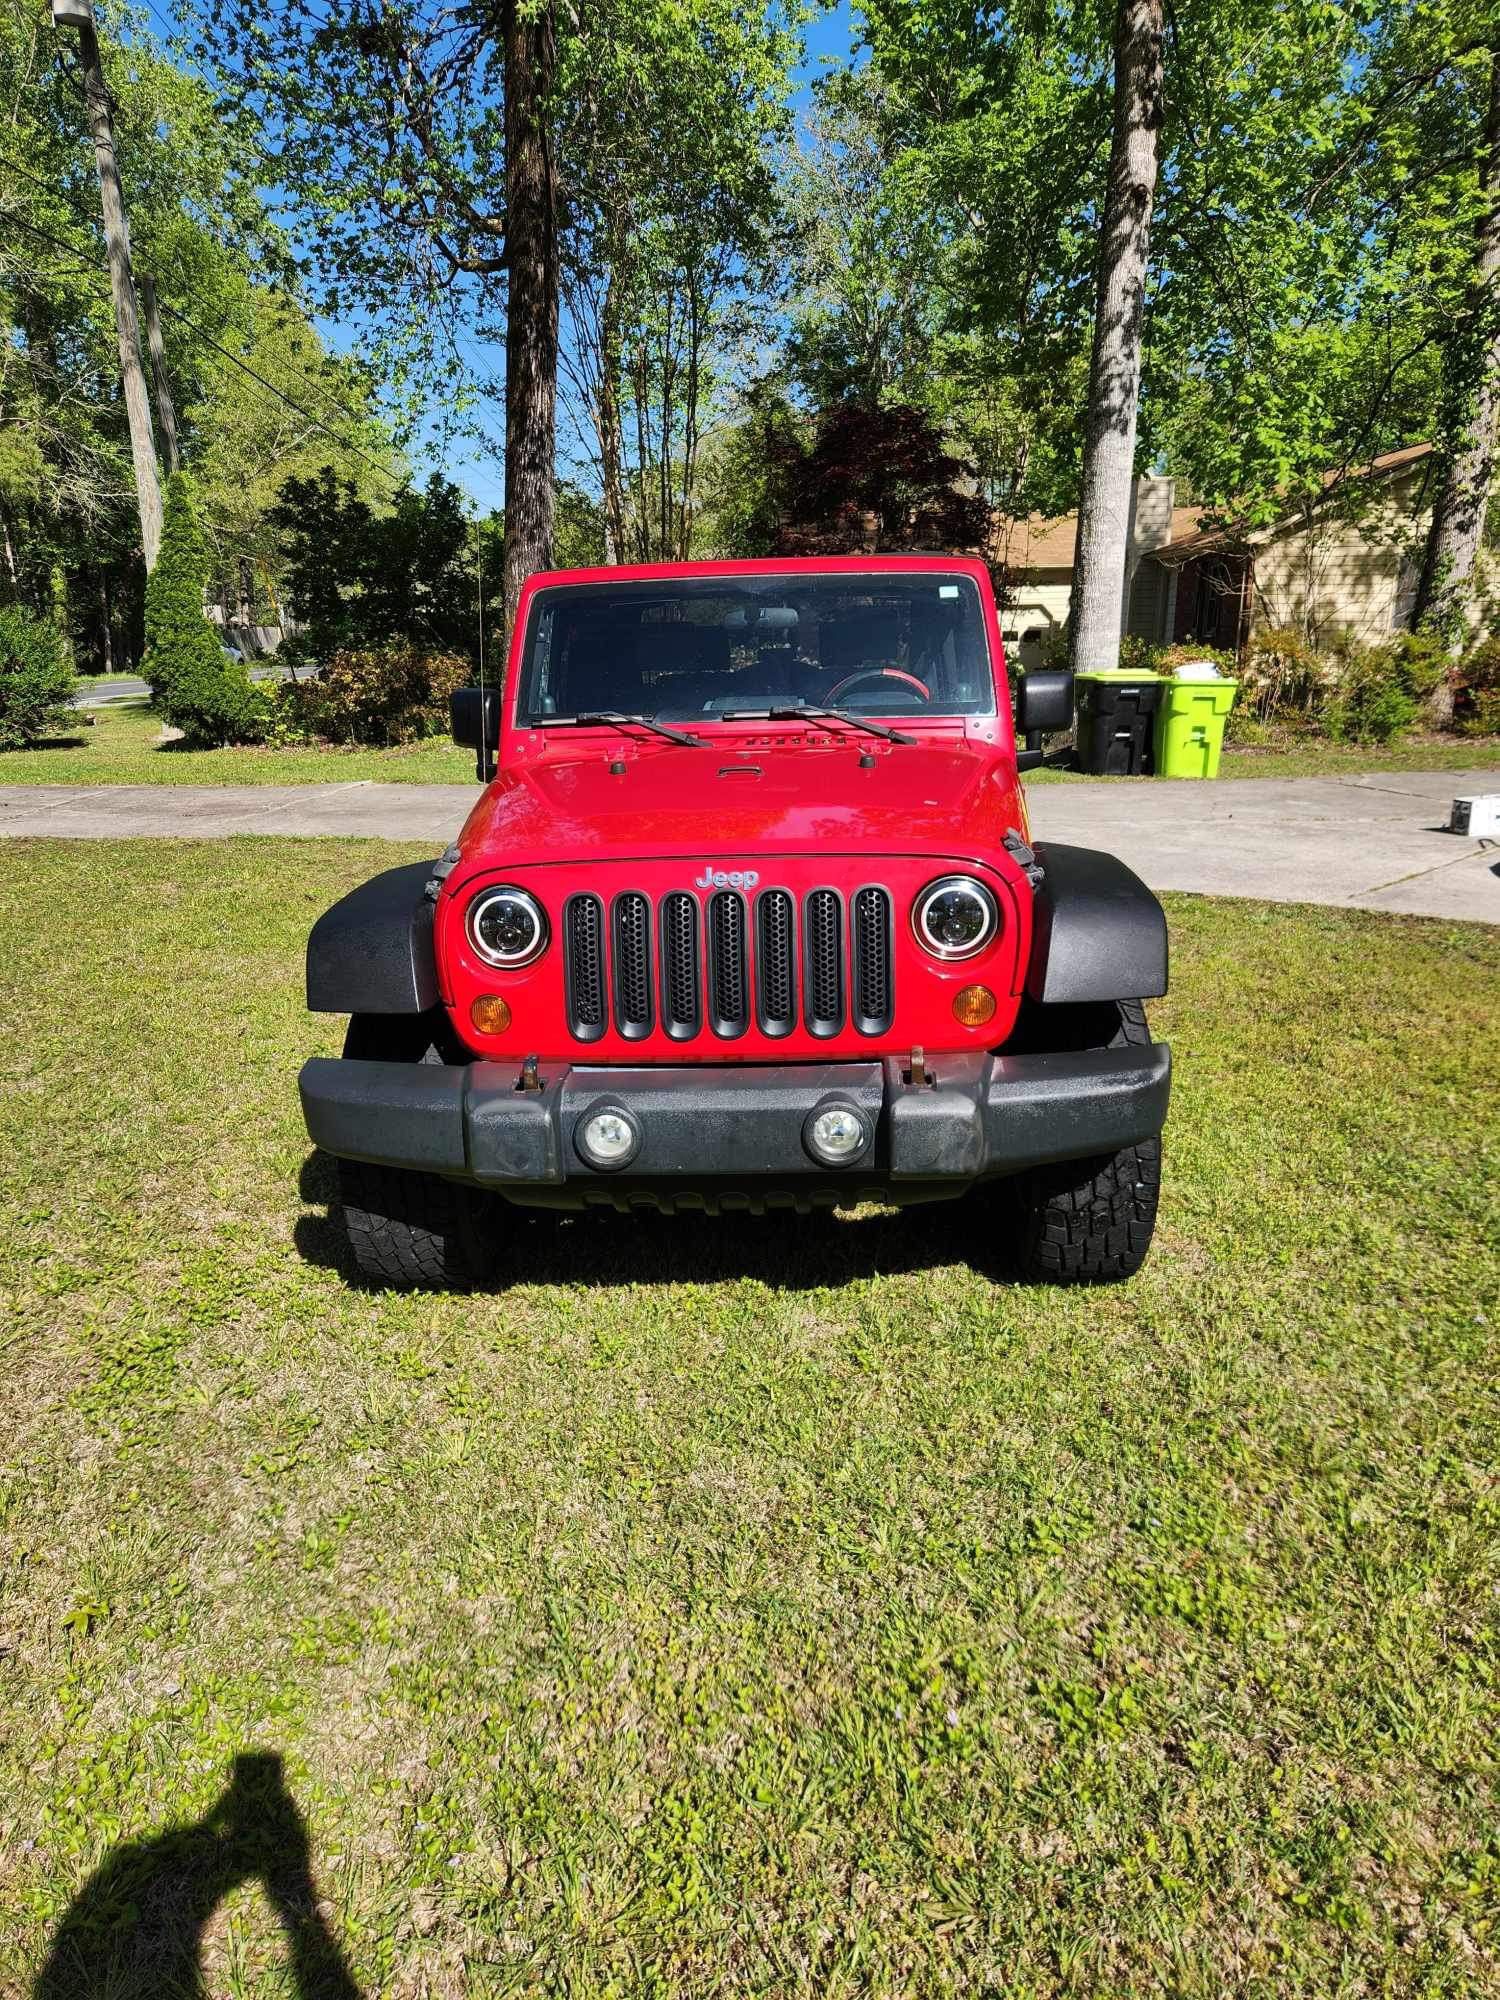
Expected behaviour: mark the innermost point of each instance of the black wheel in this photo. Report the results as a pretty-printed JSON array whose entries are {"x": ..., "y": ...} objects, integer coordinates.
[
  {"x": 1090, "y": 1222},
  {"x": 411, "y": 1229},
  {"x": 417, "y": 1230}
]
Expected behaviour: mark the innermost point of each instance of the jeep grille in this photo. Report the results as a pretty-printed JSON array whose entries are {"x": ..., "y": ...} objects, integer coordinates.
[{"x": 729, "y": 963}]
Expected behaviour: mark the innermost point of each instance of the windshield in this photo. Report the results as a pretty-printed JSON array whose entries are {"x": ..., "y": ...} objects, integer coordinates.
[{"x": 692, "y": 649}]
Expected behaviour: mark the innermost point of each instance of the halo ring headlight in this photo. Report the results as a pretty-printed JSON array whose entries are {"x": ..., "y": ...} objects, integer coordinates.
[
  {"x": 507, "y": 927},
  {"x": 955, "y": 917}
]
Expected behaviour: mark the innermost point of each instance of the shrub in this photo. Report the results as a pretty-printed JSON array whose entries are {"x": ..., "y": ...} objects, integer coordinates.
[
  {"x": 1381, "y": 689},
  {"x": 36, "y": 679},
  {"x": 376, "y": 695},
  {"x": 1283, "y": 677},
  {"x": 1139, "y": 656},
  {"x": 199, "y": 687},
  {"x": 1476, "y": 690}
]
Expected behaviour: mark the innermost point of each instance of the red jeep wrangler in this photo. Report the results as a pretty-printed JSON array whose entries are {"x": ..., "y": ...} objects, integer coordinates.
[{"x": 747, "y": 918}]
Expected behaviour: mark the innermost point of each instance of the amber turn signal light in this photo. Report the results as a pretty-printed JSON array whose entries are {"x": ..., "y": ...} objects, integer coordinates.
[
  {"x": 491, "y": 1015},
  {"x": 973, "y": 1006}
]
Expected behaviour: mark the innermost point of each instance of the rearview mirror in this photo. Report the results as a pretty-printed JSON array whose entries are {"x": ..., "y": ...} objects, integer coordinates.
[
  {"x": 475, "y": 714},
  {"x": 1044, "y": 702}
]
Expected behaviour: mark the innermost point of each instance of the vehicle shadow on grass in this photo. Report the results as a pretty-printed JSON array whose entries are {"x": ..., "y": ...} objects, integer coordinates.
[
  {"x": 135, "y": 1929},
  {"x": 785, "y": 1251}
]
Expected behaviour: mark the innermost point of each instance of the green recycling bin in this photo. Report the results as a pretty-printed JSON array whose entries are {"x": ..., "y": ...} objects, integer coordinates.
[{"x": 1190, "y": 727}]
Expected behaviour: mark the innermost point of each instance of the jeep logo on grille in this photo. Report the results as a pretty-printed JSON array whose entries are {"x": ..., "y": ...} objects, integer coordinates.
[{"x": 726, "y": 878}]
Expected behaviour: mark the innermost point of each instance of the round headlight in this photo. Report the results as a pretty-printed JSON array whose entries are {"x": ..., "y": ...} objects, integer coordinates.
[
  {"x": 507, "y": 927},
  {"x": 955, "y": 917}
]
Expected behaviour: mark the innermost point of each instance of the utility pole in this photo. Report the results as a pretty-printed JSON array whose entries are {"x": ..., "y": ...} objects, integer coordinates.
[
  {"x": 165, "y": 408},
  {"x": 79, "y": 14}
]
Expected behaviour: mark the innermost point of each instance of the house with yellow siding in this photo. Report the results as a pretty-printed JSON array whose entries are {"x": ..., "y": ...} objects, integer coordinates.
[{"x": 1345, "y": 560}]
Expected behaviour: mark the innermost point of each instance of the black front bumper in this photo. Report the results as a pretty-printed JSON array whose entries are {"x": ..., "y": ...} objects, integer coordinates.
[{"x": 739, "y": 1125}]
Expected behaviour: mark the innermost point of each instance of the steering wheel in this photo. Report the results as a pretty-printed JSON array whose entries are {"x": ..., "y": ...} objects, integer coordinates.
[{"x": 879, "y": 674}]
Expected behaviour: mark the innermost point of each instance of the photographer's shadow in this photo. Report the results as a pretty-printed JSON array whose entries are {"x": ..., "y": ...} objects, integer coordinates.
[{"x": 135, "y": 1929}]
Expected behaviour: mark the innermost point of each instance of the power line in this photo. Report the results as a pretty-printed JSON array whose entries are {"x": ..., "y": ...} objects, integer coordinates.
[
  {"x": 59, "y": 243},
  {"x": 301, "y": 374},
  {"x": 176, "y": 312}
]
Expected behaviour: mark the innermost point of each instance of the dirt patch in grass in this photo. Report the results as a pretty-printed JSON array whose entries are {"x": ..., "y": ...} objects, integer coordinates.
[{"x": 776, "y": 1609}]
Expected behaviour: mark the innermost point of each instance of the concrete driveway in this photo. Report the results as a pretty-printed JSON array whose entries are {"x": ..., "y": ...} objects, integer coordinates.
[
  {"x": 1373, "y": 842},
  {"x": 1378, "y": 841}
]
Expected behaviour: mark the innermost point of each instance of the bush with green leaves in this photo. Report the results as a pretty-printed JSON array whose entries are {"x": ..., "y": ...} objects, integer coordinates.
[
  {"x": 199, "y": 687},
  {"x": 36, "y": 679},
  {"x": 1476, "y": 690},
  {"x": 1283, "y": 677},
  {"x": 1380, "y": 690},
  {"x": 373, "y": 695}
]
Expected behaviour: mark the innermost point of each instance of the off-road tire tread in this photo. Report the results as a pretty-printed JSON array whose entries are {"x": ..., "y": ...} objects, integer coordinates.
[
  {"x": 1090, "y": 1222},
  {"x": 409, "y": 1229}
]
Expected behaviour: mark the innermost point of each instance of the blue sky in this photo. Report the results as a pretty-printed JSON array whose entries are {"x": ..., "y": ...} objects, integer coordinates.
[{"x": 481, "y": 472}]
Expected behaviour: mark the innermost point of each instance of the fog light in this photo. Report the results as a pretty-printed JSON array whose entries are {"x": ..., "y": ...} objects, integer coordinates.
[
  {"x": 608, "y": 1137},
  {"x": 974, "y": 1006},
  {"x": 836, "y": 1134},
  {"x": 490, "y": 1014}
]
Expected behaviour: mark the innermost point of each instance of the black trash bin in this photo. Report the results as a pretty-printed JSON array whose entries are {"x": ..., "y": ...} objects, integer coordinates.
[{"x": 1116, "y": 723}]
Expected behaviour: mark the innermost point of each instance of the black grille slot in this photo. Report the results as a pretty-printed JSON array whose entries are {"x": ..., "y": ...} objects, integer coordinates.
[
  {"x": 631, "y": 955},
  {"x": 583, "y": 953},
  {"x": 874, "y": 995},
  {"x": 823, "y": 953},
  {"x": 681, "y": 983},
  {"x": 776, "y": 962},
  {"x": 728, "y": 963}
]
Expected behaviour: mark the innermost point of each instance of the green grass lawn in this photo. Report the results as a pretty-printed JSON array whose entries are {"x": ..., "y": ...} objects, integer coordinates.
[
  {"x": 124, "y": 747},
  {"x": 744, "y": 1608}
]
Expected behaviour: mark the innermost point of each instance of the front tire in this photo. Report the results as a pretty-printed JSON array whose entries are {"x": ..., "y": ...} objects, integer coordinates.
[
  {"x": 1091, "y": 1221},
  {"x": 406, "y": 1229},
  {"x": 416, "y": 1230}
]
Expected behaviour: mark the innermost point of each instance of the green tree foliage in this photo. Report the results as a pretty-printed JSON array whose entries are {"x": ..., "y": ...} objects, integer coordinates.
[
  {"x": 389, "y": 129},
  {"x": 228, "y": 297},
  {"x": 670, "y": 119},
  {"x": 36, "y": 678},
  {"x": 356, "y": 577},
  {"x": 1312, "y": 241},
  {"x": 199, "y": 687}
]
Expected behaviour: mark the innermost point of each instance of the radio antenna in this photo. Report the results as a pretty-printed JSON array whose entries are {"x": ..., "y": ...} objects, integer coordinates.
[{"x": 486, "y": 772}]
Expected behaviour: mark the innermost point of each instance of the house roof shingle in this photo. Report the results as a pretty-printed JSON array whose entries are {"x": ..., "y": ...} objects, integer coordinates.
[{"x": 1041, "y": 542}]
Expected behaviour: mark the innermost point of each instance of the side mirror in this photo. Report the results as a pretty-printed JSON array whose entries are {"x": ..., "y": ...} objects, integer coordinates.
[
  {"x": 1044, "y": 701},
  {"x": 475, "y": 714}
]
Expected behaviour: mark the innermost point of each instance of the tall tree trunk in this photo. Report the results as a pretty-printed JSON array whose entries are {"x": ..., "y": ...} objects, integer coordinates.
[
  {"x": 127, "y": 325},
  {"x": 106, "y": 637},
  {"x": 1471, "y": 369},
  {"x": 530, "y": 52},
  {"x": 11, "y": 568},
  {"x": 1097, "y": 609}
]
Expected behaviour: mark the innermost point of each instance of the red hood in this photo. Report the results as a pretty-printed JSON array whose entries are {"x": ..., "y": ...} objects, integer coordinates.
[{"x": 943, "y": 795}]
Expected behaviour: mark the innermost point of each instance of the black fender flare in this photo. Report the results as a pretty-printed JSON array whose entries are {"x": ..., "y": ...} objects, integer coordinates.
[
  {"x": 372, "y": 952},
  {"x": 1098, "y": 933}
]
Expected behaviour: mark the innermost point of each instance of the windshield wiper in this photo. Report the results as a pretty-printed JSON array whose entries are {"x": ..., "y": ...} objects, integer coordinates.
[
  {"x": 800, "y": 712},
  {"x": 614, "y": 717}
]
